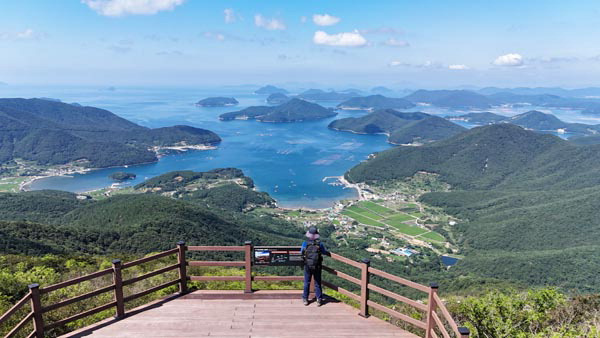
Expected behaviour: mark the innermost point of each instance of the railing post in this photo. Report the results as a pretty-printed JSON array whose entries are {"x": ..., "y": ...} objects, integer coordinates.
[
  {"x": 36, "y": 308},
  {"x": 118, "y": 280},
  {"x": 248, "y": 267},
  {"x": 183, "y": 289},
  {"x": 364, "y": 288},
  {"x": 433, "y": 289},
  {"x": 464, "y": 332}
]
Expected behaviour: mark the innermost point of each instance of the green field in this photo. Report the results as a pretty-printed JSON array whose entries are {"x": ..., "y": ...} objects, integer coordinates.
[
  {"x": 416, "y": 214},
  {"x": 364, "y": 212},
  {"x": 398, "y": 219},
  {"x": 376, "y": 208},
  {"x": 361, "y": 219},
  {"x": 434, "y": 236},
  {"x": 409, "y": 229}
]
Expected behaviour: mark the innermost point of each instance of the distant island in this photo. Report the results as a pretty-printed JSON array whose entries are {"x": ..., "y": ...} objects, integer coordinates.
[
  {"x": 295, "y": 110},
  {"x": 381, "y": 90},
  {"x": 277, "y": 98},
  {"x": 532, "y": 120},
  {"x": 458, "y": 99},
  {"x": 217, "y": 102},
  {"x": 321, "y": 95},
  {"x": 374, "y": 102},
  {"x": 55, "y": 133},
  {"x": 121, "y": 176},
  {"x": 402, "y": 128},
  {"x": 268, "y": 90}
]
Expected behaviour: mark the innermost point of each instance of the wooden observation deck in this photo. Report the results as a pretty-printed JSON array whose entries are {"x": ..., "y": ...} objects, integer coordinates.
[{"x": 245, "y": 313}]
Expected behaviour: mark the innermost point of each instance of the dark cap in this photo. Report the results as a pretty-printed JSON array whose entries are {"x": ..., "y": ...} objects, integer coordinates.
[{"x": 313, "y": 230}]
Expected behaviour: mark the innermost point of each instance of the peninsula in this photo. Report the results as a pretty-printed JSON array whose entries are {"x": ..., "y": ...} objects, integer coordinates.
[{"x": 295, "y": 110}]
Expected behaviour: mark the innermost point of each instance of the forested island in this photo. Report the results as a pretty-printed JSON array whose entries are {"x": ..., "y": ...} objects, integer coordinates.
[
  {"x": 269, "y": 89},
  {"x": 121, "y": 176},
  {"x": 217, "y": 102},
  {"x": 53, "y": 133},
  {"x": 277, "y": 98},
  {"x": 374, "y": 102},
  {"x": 402, "y": 128},
  {"x": 295, "y": 110}
]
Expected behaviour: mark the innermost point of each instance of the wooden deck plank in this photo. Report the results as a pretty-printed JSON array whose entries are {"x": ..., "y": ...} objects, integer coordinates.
[{"x": 214, "y": 314}]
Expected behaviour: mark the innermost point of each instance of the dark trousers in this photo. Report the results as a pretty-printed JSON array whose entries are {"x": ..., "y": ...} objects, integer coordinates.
[{"x": 316, "y": 273}]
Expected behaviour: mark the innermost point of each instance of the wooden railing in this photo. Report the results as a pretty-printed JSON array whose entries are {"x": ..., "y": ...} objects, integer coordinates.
[{"x": 33, "y": 297}]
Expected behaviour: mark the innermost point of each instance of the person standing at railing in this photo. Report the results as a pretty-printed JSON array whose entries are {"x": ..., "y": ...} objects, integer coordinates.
[{"x": 312, "y": 252}]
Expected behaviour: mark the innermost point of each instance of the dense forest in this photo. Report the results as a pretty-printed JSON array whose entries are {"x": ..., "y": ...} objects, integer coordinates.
[
  {"x": 293, "y": 110},
  {"x": 527, "y": 202},
  {"x": 50, "y": 132}
]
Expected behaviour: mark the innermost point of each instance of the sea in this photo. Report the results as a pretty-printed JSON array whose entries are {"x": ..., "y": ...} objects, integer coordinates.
[{"x": 290, "y": 161}]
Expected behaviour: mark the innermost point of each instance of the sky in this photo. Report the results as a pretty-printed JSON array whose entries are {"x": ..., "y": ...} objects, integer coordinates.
[{"x": 398, "y": 43}]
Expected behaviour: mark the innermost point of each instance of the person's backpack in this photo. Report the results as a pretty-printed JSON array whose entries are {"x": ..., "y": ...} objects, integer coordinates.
[{"x": 312, "y": 255}]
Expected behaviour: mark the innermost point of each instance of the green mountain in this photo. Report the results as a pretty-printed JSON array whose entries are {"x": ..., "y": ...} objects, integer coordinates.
[
  {"x": 321, "y": 95},
  {"x": 295, "y": 110},
  {"x": 451, "y": 99},
  {"x": 533, "y": 120},
  {"x": 268, "y": 90},
  {"x": 50, "y": 132},
  {"x": 374, "y": 102},
  {"x": 217, "y": 102},
  {"x": 277, "y": 98},
  {"x": 225, "y": 188},
  {"x": 401, "y": 128},
  {"x": 527, "y": 202},
  {"x": 479, "y": 119}
]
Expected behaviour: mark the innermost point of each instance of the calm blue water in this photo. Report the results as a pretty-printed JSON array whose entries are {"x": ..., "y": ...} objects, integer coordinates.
[
  {"x": 289, "y": 161},
  {"x": 449, "y": 261}
]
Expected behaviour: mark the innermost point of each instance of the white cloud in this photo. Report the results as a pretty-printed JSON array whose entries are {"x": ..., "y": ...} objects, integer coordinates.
[
  {"x": 27, "y": 34},
  {"x": 269, "y": 24},
  {"x": 229, "y": 15},
  {"x": 134, "y": 7},
  {"x": 215, "y": 36},
  {"x": 458, "y": 67},
  {"x": 426, "y": 64},
  {"x": 392, "y": 42},
  {"x": 325, "y": 20},
  {"x": 509, "y": 60},
  {"x": 350, "y": 39}
]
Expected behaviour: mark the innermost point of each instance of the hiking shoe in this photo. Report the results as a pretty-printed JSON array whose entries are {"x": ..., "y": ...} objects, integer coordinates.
[
  {"x": 305, "y": 301},
  {"x": 319, "y": 302}
]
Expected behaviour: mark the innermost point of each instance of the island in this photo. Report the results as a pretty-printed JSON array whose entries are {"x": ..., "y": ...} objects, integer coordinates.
[
  {"x": 374, "y": 102},
  {"x": 401, "y": 128},
  {"x": 479, "y": 119},
  {"x": 277, "y": 98},
  {"x": 121, "y": 176},
  {"x": 269, "y": 89},
  {"x": 48, "y": 133},
  {"x": 321, "y": 95},
  {"x": 217, "y": 102},
  {"x": 455, "y": 99},
  {"x": 295, "y": 110},
  {"x": 381, "y": 90}
]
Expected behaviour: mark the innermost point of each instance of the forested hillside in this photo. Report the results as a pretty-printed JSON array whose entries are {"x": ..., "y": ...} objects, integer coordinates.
[
  {"x": 49, "y": 132},
  {"x": 527, "y": 202}
]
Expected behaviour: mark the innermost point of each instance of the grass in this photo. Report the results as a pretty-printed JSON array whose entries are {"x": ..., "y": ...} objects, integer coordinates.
[
  {"x": 362, "y": 219},
  {"x": 434, "y": 236},
  {"x": 409, "y": 229},
  {"x": 376, "y": 208},
  {"x": 364, "y": 212},
  {"x": 398, "y": 219},
  {"x": 416, "y": 214}
]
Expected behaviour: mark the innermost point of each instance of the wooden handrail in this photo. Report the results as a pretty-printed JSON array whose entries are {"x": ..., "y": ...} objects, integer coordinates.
[
  {"x": 433, "y": 320},
  {"x": 15, "y": 308},
  {"x": 400, "y": 280},
  {"x": 216, "y": 263},
  {"x": 150, "y": 274},
  {"x": 76, "y": 281},
  {"x": 446, "y": 313},
  {"x": 216, "y": 248},
  {"x": 78, "y": 298},
  {"x": 19, "y": 326},
  {"x": 149, "y": 258}
]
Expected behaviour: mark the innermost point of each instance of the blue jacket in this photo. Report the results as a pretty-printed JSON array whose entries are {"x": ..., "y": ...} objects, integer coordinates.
[{"x": 323, "y": 249}]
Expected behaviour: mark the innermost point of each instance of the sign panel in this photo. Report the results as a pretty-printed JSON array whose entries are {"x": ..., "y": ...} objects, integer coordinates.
[{"x": 278, "y": 256}]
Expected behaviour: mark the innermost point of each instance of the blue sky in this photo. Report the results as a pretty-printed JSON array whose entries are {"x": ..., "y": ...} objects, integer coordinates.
[{"x": 430, "y": 44}]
